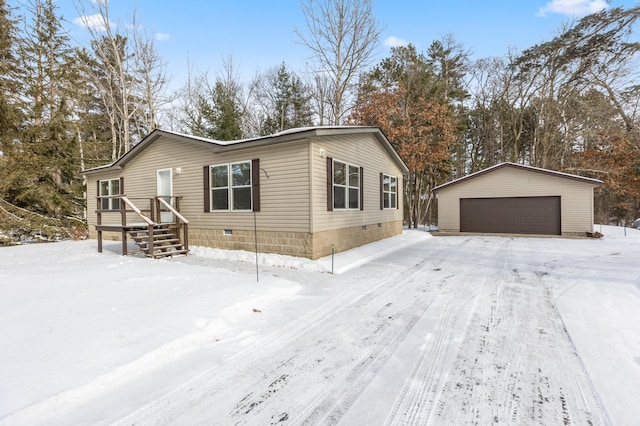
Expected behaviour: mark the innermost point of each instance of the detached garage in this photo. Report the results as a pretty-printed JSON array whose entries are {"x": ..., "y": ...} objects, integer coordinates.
[{"x": 511, "y": 198}]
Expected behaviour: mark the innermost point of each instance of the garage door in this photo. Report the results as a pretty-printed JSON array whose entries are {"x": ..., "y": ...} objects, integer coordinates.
[{"x": 515, "y": 215}]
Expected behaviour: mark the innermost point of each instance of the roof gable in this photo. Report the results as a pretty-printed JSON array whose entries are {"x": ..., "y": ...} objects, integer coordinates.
[
  {"x": 589, "y": 181},
  {"x": 225, "y": 146}
]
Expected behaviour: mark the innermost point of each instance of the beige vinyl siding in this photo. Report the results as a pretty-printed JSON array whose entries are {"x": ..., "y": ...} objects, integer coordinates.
[
  {"x": 362, "y": 150},
  {"x": 293, "y": 178},
  {"x": 112, "y": 217},
  {"x": 284, "y": 195},
  {"x": 576, "y": 203},
  {"x": 92, "y": 201}
]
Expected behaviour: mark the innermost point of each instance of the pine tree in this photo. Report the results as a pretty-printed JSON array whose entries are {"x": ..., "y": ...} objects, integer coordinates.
[
  {"x": 9, "y": 87},
  {"x": 400, "y": 96},
  {"x": 215, "y": 111},
  {"x": 449, "y": 61},
  {"x": 224, "y": 113},
  {"x": 44, "y": 172},
  {"x": 284, "y": 101}
]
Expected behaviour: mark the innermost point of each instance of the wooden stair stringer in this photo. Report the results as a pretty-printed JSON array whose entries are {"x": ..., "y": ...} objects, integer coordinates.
[{"x": 166, "y": 241}]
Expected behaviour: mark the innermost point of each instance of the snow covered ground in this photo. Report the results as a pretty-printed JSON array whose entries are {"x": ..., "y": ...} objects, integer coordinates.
[{"x": 410, "y": 330}]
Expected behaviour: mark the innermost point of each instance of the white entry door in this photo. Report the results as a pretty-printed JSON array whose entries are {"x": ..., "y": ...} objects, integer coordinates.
[{"x": 165, "y": 190}]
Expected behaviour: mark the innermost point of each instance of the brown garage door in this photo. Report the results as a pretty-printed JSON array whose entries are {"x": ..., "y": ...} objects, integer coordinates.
[{"x": 514, "y": 215}]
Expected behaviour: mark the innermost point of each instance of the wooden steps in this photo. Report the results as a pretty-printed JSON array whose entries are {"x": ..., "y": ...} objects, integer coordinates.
[
  {"x": 166, "y": 241},
  {"x": 155, "y": 239}
]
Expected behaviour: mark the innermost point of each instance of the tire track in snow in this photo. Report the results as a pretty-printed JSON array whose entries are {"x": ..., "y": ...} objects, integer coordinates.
[
  {"x": 284, "y": 383},
  {"x": 581, "y": 385},
  {"x": 331, "y": 405},
  {"x": 517, "y": 364},
  {"x": 349, "y": 379},
  {"x": 64, "y": 404},
  {"x": 415, "y": 401},
  {"x": 344, "y": 393}
]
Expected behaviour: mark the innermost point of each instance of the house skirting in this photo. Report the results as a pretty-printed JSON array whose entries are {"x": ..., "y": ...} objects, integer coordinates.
[
  {"x": 348, "y": 238},
  {"x": 300, "y": 244}
]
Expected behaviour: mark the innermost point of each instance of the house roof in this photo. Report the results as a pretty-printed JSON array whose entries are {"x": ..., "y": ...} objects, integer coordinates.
[
  {"x": 590, "y": 181},
  {"x": 225, "y": 146}
]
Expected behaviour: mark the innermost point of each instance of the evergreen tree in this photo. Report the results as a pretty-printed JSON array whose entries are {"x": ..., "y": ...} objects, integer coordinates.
[
  {"x": 400, "y": 96},
  {"x": 214, "y": 111},
  {"x": 223, "y": 113},
  {"x": 44, "y": 172},
  {"x": 284, "y": 101},
  {"x": 9, "y": 87},
  {"x": 449, "y": 61}
]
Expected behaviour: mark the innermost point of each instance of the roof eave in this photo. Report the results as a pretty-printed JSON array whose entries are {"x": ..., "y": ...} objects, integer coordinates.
[
  {"x": 225, "y": 146},
  {"x": 590, "y": 181}
]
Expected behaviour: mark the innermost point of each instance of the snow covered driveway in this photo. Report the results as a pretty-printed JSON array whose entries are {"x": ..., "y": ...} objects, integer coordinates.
[{"x": 449, "y": 330}]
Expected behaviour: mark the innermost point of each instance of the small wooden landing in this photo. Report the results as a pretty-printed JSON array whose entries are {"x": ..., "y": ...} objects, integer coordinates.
[
  {"x": 165, "y": 239},
  {"x": 154, "y": 239}
]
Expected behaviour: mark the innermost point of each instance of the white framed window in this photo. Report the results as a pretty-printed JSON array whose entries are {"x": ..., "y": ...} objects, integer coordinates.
[
  {"x": 346, "y": 186},
  {"x": 109, "y": 188},
  {"x": 389, "y": 191},
  {"x": 231, "y": 186}
]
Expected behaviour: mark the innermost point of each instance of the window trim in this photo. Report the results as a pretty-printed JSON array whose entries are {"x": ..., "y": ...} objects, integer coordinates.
[
  {"x": 389, "y": 192},
  {"x": 213, "y": 188},
  {"x": 110, "y": 201},
  {"x": 230, "y": 187},
  {"x": 347, "y": 186}
]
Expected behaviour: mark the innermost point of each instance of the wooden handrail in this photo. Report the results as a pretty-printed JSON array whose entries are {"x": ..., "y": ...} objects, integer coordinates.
[
  {"x": 185, "y": 222},
  {"x": 128, "y": 206},
  {"x": 135, "y": 209},
  {"x": 172, "y": 210}
]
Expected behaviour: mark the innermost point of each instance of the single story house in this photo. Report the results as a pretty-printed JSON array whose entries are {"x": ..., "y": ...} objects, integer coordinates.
[
  {"x": 516, "y": 199},
  {"x": 300, "y": 192}
]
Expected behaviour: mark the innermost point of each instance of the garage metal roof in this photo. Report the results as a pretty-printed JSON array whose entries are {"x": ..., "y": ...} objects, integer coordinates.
[{"x": 590, "y": 181}]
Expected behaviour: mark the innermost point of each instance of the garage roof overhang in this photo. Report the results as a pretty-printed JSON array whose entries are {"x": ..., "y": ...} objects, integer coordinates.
[{"x": 586, "y": 180}]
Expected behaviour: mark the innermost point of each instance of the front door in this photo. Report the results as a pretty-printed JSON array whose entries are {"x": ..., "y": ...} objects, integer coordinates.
[{"x": 165, "y": 191}]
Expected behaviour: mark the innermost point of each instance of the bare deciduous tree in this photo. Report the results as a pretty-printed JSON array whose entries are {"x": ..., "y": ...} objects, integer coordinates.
[
  {"x": 152, "y": 80},
  {"x": 342, "y": 36},
  {"x": 129, "y": 74}
]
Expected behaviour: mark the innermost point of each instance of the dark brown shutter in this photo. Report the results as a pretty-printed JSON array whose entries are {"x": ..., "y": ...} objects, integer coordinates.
[
  {"x": 255, "y": 184},
  {"x": 381, "y": 191},
  {"x": 207, "y": 192},
  {"x": 99, "y": 201},
  {"x": 329, "y": 184},
  {"x": 398, "y": 192},
  {"x": 361, "y": 188}
]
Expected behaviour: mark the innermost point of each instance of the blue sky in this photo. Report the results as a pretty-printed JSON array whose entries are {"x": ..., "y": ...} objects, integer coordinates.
[{"x": 259, "y": 33}]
